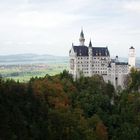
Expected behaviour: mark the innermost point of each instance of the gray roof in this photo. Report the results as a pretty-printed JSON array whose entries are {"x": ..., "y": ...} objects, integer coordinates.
[
  {"x": 121, "y": 63},
  {"x": 118, "y": 63},
  {"x": 131, "y": 47},
  {"x": 96, "y": 51}
]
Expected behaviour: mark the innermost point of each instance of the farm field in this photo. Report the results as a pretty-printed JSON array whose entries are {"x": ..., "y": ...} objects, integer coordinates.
[
  {"x": 22, "y": 67},
  {"x": 24, "y": 72}
]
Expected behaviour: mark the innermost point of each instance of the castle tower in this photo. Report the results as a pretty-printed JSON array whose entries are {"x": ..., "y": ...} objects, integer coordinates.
[
  {"x": 90, "y": 59},
  {"x": 82, "y": 39},
  {"x": 90, "y": 44},
  {"x": 132, "y": 57}
]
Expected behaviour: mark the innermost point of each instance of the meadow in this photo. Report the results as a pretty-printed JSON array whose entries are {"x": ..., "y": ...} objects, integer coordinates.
[
  {"x": 24, "y": 72},
  {"x": 22, "y": 67}
]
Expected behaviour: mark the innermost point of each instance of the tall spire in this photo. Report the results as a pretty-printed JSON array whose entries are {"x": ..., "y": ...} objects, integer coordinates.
[
  {"x": 90, "y": 44},
  {"x": 82, "y": 39},
  {"x": 82, "y": 34}
]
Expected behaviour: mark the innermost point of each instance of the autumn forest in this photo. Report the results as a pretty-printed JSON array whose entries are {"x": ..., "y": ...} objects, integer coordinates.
[{"x": 58, "y": 108}]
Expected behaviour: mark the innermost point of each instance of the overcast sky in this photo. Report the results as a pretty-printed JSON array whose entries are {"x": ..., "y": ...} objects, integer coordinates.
[{"x": 50, "y": 26}]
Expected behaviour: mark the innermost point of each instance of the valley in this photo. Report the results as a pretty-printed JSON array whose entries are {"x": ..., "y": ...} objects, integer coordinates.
[{"x": 22, "y": 67}]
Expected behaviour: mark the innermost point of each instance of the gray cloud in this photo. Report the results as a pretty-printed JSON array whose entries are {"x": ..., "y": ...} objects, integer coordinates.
[{"x": 52, "y": 25}]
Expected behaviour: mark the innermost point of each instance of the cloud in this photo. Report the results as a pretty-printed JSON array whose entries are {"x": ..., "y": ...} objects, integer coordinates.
[
  {"x": 44, "y": 20},
  {"x": 132, "y": 6},
  {"x": 40, "y": 14},
  {"x": 52, "y": 25}
]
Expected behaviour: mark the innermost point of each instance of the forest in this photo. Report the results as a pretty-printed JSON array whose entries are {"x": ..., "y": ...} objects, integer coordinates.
[{"x": 59, "y": 108}]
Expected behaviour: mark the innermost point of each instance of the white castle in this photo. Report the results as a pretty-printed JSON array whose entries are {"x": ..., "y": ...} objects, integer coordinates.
[{"x": 89, "y": 60}]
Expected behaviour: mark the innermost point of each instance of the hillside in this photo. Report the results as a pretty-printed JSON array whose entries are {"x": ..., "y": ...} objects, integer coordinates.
[{"x": 58, "y": 108}]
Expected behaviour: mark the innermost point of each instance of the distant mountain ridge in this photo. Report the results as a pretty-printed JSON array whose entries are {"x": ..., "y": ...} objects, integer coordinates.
[
  {"x": 31, "y": 58},
  {"x": 45, "y": 58}
]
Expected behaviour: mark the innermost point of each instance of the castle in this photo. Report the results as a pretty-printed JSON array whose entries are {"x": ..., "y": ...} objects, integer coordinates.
[{"x": 89, "y": 60}]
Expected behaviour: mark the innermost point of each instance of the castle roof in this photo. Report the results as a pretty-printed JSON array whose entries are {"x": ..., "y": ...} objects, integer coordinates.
[
  {"x": 82, "y": 34},
  {"x": 121, "y": 63},
  {"x": 131, "y": 47},
  {"x": 117, "y": 62},
  {"x": 96, "y": 51}
]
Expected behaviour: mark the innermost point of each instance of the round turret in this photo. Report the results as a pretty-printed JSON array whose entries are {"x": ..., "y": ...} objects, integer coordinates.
[{"x": 132, "y": 57}]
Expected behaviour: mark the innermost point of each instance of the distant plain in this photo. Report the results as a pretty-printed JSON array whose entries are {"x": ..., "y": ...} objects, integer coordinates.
[{"x": 22, "y": 67}]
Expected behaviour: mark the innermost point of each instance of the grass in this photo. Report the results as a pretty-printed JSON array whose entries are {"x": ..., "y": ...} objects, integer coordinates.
[{"x": 23, "y": 73}]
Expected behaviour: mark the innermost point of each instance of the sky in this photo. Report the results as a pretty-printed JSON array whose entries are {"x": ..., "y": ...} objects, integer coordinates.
[{"x": 51, "y": 26}]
